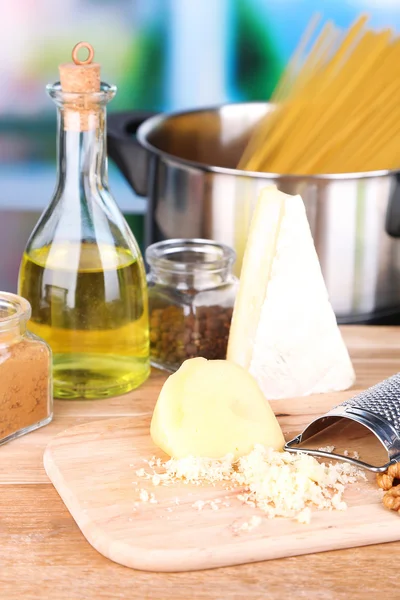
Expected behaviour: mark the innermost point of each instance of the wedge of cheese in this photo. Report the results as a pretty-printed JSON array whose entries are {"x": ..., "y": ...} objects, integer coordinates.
[
  {"x": 211, "y": 408},
  {"x": 284, "y": 330}
]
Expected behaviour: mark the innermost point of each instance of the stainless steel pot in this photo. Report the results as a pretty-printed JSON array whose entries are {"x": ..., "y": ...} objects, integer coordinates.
[{"x": 185, "y": 164}]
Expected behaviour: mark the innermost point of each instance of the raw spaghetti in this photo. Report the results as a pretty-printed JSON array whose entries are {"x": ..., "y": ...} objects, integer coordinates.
[{"x": 336, "y": 108}]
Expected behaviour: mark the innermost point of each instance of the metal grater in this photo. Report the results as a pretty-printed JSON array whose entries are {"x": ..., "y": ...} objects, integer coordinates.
[{"x": 377, "y": 408}]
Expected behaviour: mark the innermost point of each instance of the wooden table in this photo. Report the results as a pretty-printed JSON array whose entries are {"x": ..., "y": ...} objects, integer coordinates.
[{"x": 43, "y": 555}]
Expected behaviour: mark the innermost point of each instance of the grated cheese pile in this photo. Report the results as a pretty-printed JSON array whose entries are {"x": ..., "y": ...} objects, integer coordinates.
[{"x": 281, "y": 484}]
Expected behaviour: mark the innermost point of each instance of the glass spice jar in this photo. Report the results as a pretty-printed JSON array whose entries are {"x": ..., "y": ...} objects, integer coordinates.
[
  {"x": 191, "y": 295},
  {"x": 25, "y": 372}
]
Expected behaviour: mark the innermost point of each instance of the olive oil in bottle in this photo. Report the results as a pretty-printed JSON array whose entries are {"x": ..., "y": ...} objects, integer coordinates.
[
  {"x": 82, "y": 270},
  {"x": 94, "y": 316}
]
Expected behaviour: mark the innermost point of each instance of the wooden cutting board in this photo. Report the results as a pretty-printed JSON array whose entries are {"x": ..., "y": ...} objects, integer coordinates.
[{"x": 93, "y": 467}]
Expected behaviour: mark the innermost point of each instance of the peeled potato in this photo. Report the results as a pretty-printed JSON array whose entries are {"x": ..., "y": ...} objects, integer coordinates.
[{"x": 211, "y": 408}]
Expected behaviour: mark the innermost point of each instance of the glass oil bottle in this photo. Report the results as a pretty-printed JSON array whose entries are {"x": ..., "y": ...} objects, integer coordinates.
[{"x": 82, "y": 270}]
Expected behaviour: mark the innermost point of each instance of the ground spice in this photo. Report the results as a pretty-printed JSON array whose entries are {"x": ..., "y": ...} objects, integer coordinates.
[
  {"x": 25, "y": 394},
  {"x": 176, "y": 336}
]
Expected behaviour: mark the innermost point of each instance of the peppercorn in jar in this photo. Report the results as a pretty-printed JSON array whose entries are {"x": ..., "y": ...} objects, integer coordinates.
[{"x": 191, "y": 295}]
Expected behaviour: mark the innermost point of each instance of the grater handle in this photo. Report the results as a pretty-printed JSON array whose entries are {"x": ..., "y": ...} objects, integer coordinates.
[{"x": 291, "y": 447}]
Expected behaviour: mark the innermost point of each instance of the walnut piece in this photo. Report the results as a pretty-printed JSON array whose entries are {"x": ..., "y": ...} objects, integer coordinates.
[
  {"x": 385, "y": 480},
  {"x": 391, "y": 499},
  {"x": 390, "y": 482}
]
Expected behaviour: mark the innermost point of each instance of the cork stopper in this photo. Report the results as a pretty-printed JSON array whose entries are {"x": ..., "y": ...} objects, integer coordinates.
[{"x": 80, "y": 77}]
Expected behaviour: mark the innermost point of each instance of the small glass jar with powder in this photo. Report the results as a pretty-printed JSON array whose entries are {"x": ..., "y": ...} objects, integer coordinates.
[
  {"x": 25, "y": 372},
  {"x": 192, "y": 291}
]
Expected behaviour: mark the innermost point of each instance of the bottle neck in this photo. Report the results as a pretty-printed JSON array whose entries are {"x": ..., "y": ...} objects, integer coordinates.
[{"x": 81, "y": 152}]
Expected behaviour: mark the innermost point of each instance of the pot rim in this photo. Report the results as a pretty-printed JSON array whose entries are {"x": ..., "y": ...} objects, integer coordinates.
[{"x": 149, "y": 125}]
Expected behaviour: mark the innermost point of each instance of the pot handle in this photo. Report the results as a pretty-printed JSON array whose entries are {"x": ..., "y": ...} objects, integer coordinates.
[
  {"x": 392, "y": 224},
  {"x": 124, "y": 149}
]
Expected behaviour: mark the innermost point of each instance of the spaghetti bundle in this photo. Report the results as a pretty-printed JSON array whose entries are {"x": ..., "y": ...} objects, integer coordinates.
[{"x": 336, "y": 108}]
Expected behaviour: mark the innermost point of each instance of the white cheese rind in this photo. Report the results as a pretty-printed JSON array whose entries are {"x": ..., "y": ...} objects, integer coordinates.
[
  {"x": 297, "y": 349},
  {"x": 256, "y": 269}
]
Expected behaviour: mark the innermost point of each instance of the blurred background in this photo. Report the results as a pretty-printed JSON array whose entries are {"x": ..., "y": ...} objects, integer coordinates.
[{"x": 163, "y": 55}]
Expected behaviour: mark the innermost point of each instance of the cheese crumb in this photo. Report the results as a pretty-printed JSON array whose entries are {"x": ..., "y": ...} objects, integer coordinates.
[
  {"x": 304, "y": 516},
  {"x": 249, "y": 525},
  {"x": 144, "y": 496},
  {"x": 327, "y": 449},
  {"x": 194, "y": 470},
  {"x": 280, "y": 484}
]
